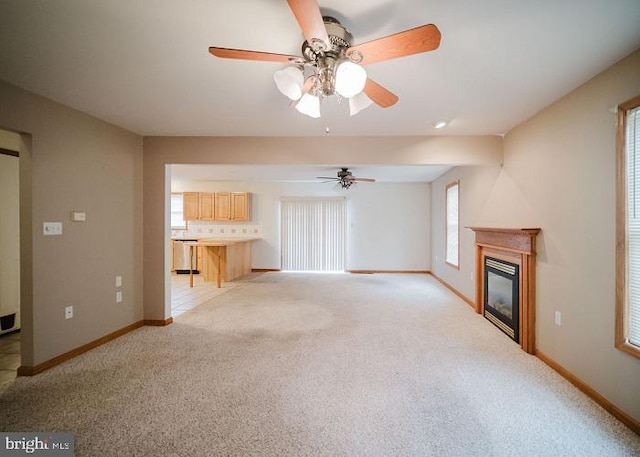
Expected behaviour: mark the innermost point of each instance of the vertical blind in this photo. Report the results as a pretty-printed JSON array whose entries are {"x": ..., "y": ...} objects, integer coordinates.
[
  {"x": 313, "y": 234},
  {"x": 632, "y": 142}
]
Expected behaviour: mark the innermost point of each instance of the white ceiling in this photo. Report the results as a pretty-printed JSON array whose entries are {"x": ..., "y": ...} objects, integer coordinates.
[
  {"x": 143, "y": 65},
  {"x": 305, "y": 173}
]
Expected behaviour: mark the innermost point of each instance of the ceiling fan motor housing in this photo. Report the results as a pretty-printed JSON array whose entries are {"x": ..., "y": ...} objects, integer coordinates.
[
  {"x": 339, "y": 40},
  {"x": 324, "y": 59},
  {"x": 344, "y": 173}
]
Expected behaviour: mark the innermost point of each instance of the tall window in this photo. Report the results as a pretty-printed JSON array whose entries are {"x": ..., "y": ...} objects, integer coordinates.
[
  {"x": 313, "y": 234},
  {"x": 177, "y": 215},
  {"x": 628, "y": 228},
  {"x": 452, "y": 222}
]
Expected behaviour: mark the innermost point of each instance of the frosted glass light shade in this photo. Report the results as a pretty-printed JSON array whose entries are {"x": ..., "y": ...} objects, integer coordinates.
[
  {"x": 309, "y": 105},
  {"x": 350, "y": 79},
  {"x": 359, "y": 102},
  {"x": 289, "y": 81}
]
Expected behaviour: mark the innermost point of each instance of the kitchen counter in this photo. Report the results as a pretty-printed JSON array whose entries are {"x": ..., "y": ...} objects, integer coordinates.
[{"x": 223, "y": 259}]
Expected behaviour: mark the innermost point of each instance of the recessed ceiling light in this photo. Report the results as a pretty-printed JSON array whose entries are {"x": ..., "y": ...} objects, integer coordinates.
[{"x": 440, "y": 124}]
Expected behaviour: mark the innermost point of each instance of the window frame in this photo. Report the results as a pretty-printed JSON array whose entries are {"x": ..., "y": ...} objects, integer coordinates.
[
  {"x": 622, "y": 303},
  {"x": 181, "y": 227},
  {"x": 456, "y": 265}
]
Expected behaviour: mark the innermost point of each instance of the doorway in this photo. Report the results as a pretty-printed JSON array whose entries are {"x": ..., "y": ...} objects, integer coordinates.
[
  {"x": 313, "y": 234},
  {"x": 9, "y": 255}
]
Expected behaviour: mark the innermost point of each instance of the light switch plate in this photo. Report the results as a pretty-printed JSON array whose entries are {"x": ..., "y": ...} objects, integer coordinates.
[
  {"x": 78, "y": 216},
  {"x": 118, "y": 281},
  {"x": 68, "y": 312},
  {"x": 119, "y": 296},
  {"x": 52, "y": 228},
  {"x": 558, "y": 319}
]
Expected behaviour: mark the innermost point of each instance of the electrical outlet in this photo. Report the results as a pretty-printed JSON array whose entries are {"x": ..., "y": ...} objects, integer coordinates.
[
  {"x": 118, "y": 281},
  {"x": 558, "y": 318},
  {"x": 119, "y": 296},
  {"x": 68, "y": 312}
]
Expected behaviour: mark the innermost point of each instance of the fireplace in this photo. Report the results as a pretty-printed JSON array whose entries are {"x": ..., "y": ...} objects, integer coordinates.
[
  {"x": 502, "y": 296},
  {"x": 506, "y": 281}
]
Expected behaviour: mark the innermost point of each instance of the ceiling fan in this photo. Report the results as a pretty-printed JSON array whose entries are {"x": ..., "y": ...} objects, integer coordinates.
[
  {"x": 330, "y": 65},
  {"x": 345, "y": 178}
]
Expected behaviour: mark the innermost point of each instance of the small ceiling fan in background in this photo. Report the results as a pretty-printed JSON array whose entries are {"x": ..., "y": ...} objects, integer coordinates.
[
  {"x": 330, "y": 65},
  {"x": 345, "y": 178}
]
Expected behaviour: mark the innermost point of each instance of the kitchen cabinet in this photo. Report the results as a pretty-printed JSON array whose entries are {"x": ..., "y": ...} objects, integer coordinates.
[
  {"x": 232, "y": 206},
  {"x": 239, "y": 206},
  {"x": 223, "y": 206},
  {"x": 207, "y": 206},
  {"x": 223, "y": 259},
  {"x": 216, "y": 206},
  {"x": 191, "y": 206}
]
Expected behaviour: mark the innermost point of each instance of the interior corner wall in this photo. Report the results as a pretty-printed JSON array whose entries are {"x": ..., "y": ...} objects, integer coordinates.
[
  {"x": 559, "y": 174},
  {"x": 74, "y": 162},
  {"x": 476, "y": 182}
]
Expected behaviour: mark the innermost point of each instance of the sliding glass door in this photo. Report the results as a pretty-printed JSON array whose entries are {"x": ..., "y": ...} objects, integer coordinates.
[{"x": 313, "y": 234}]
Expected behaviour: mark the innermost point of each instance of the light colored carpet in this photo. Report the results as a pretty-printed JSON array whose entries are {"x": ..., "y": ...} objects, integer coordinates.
[{"x": 317, "y": 365}]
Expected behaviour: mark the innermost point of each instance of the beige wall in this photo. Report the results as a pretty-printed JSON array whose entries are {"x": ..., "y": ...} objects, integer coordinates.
[
  {"x": 160, "y": 151},
  {"x": 559, "y": 174},
  {"x": 388, "y": 224},
  {"x": 71, "y": 161}
]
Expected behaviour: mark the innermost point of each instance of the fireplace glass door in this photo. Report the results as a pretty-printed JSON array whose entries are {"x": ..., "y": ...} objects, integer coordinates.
[{"x": 501, "y": 296}]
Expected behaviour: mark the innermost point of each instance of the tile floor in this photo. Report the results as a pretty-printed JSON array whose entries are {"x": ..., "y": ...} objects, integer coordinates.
[
  {"x": 9, "y": 356},
  {"x": 184, "y": 298}
]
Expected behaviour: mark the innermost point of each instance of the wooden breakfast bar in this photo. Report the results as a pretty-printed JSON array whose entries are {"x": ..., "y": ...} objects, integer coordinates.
[{"x": 223, "y": 259}]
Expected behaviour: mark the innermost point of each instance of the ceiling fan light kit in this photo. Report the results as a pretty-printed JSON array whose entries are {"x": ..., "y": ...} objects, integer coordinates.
[
  {"x": 289, "y": 81},
  {"x": 332, "y": 65},
  {"x": 309, "y": 105},
  {"x": 350, "y": 79},
  {"x": 358, "y": 102}
]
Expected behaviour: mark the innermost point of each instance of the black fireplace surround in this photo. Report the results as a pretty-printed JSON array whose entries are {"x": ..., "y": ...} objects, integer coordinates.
[{"x": 502, "y": 295}]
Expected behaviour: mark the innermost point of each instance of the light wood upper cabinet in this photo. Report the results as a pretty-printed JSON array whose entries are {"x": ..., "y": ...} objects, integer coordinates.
[
  {"x": 207, "y": 206},
  {"x": 239, "y": 206},
  {"x": 218, "y": 206},
  {"x": 191, "y": 206},
  {"x": 223, "y": 206},
  {"x": 232, "y": 206}
]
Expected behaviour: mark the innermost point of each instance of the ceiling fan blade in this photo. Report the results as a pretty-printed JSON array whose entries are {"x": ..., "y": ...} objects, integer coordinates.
[
  {"x": 413, "y": 41},
  {"x": 307, "y": 13},
  {"x": 326, "y": 177},
  {"x": 227, "y": 53},
  {"x": 364, "y": 179},
  {"x": 379, "y": 94}
]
